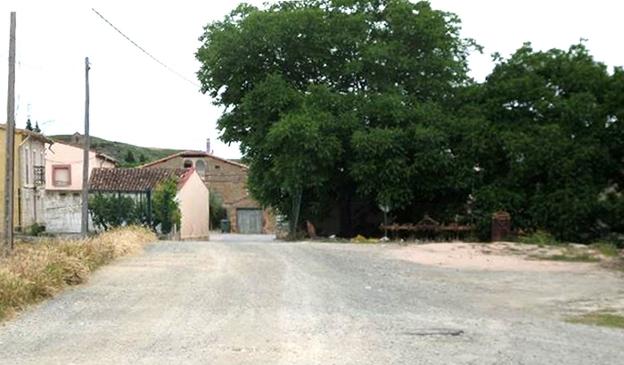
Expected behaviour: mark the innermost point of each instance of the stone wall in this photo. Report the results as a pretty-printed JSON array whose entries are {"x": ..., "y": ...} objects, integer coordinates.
[
  {"x": 31, "y": 207},
  {"x": 63, "y": 212}
]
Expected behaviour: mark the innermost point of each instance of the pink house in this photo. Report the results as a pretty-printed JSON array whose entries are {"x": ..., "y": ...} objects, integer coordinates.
[{"x": 63, "y": 185}]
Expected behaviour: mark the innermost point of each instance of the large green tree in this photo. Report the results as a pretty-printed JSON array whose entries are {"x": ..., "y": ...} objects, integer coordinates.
[
  {"x": 552, "y": 155},
  {"x": 341, "y": 106},
  {"x": 334, "y": 102}
]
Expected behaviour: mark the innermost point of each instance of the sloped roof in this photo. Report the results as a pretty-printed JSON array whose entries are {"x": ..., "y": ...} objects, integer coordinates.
[
  {"x": 26, "y": 132},
  {"x": 133, "y": 179},
  {"x": 104, "y": 156},
  {"x": 193, "y": 154}
]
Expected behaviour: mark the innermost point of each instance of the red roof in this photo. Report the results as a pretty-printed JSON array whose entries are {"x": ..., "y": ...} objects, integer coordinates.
[{"x": 134, "y": 179}]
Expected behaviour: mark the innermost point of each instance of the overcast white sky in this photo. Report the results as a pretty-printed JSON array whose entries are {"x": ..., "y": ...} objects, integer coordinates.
[{"x": 135, "y": 100}]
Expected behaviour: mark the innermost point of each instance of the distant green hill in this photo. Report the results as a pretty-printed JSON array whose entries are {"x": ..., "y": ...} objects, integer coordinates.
[{"x": 121, "y": 151}]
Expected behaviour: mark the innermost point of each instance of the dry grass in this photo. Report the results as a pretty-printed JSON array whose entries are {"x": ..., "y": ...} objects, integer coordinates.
[
  {"x": 364, "y": 240},
  {"x": 38, "y": 271}
]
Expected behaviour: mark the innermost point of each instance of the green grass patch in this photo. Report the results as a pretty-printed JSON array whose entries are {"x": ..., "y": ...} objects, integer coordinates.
[
  {"x": 567, "y": 257},
  {"x": 540, "y": 238},
  {"x": 607, "y": 249},
  {"x": 604, "y": 319}
]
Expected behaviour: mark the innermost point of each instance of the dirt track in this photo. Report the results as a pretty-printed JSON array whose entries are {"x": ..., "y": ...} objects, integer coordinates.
[{"x": 249, "y": 300}]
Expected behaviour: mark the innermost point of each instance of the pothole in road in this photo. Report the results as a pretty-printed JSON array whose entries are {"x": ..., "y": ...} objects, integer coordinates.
[{"x": 453, "y": 332}]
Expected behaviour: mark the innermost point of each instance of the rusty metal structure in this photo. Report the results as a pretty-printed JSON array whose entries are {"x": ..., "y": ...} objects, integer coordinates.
[{"x": 429, "y": 226}]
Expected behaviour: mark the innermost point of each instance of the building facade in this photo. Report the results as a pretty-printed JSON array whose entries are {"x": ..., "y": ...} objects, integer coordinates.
[
  {"x": 29, "y": 177},
  {"x": 228, "y": 181},
  {"x": 139, "y": 184},
  {"x": 63, "y": 184}
]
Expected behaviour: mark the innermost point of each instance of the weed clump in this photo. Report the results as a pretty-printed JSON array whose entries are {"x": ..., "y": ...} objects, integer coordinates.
[
  {"x": 38, "y": 271},
  {"x": 361, "y": 239},
  {"x": 540, "y": 238}
]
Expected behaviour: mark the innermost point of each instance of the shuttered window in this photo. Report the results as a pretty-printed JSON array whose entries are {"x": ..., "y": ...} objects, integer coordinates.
[{"x": 61, "y": 175}]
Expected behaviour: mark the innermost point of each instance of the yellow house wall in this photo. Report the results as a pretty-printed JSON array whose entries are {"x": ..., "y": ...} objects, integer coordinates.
[{"x": 16, "y": 173}]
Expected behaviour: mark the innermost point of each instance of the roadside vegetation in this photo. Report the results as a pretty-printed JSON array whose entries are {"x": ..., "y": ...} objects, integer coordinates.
[
  {"x": 568, "y": 256},
  {"x": 608, "y": 253},
  {"x": 38, "y": 271},
  {"x": 600, "y": 318},
  {"x": 540, "y": 238},
  {"x": 111, "y": 211}
]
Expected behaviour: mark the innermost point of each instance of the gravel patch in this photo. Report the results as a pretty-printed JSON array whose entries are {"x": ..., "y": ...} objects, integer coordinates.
[{"x": 252, "y": 300}]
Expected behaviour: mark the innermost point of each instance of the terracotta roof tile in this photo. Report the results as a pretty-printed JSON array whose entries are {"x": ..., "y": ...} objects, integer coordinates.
[{"x": 132, "y": 179}]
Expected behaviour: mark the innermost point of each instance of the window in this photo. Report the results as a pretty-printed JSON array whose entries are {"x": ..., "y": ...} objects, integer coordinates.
[
  {"x": 200, "y": 166},
  {"x": 61, "y": 175},
  {"x": 188, "y": 164},
  {"x": 27, "y": 167},
  {"x": 217, "y": 167}
]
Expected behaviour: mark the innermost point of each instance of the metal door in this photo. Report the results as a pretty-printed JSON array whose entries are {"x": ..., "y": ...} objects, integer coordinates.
[{"x": 249, "y": 221}]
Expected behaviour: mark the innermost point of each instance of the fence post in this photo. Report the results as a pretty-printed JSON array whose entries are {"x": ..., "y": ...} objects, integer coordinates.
[
  {"x": 149, "y": 208},
  {"x": 501, "y": 226}
]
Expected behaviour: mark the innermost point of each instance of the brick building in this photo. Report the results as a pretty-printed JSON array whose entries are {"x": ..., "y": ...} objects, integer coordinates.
[{"x": 228, "y": 181}]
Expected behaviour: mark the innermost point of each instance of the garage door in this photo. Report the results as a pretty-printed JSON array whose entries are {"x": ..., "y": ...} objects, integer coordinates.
[{"x": 249, "y": 221}]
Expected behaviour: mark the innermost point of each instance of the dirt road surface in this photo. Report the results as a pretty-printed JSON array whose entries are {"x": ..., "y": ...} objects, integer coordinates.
[{"x": 252, "y": 300}]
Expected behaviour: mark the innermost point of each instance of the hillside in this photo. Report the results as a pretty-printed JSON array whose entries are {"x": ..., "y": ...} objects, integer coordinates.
[{"x": 120, "y": 151}]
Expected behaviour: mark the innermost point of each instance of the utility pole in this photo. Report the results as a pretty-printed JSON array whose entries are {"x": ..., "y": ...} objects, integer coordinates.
[
  {"x": 10, "y": 143},
  {"x": 85, "y": 164}
]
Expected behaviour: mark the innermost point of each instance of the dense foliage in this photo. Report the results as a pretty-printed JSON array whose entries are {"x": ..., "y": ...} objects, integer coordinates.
[
  {"x": 217, "y": 211},
  {"x": 114, "y": 210},
  {"x": 341, "y": 106},
  {"x": 166, "y": 209},
  {"x": 553, "y": 154},
  {"x": 111, "y": 210}
]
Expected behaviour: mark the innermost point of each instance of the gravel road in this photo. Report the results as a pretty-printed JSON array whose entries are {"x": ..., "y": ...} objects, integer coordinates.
[{"x": 252, "y": 300}]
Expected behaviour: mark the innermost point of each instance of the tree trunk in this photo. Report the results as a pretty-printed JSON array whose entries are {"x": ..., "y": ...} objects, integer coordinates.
[
  {"x": 294, "y": 212},
  {"x": 346, "y": 214}
]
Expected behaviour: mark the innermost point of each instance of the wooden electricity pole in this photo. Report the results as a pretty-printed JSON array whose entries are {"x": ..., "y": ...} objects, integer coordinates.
[
  {"x": 10, "y": 143},
  {"x": 85, "y": 164}
]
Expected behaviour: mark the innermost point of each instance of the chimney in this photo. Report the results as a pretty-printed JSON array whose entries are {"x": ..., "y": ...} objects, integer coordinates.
[{"x": 208, "y": 146}]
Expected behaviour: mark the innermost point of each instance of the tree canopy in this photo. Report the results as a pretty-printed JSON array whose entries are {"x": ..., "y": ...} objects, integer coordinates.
[{"x": 341, "y": 106}]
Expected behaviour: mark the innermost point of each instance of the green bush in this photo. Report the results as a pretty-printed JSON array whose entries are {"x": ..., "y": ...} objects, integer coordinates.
[
  {"x": 166, "y": 208},
  {"x": 36, "y": 229},
  {"x": 113, "y": 210},
  {"x": 217, "y": 211},
  {"x": 539, "y": 237}
]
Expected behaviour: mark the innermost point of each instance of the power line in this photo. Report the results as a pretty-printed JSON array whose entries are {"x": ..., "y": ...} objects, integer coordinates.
[{"x": 145, "y": 51}]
